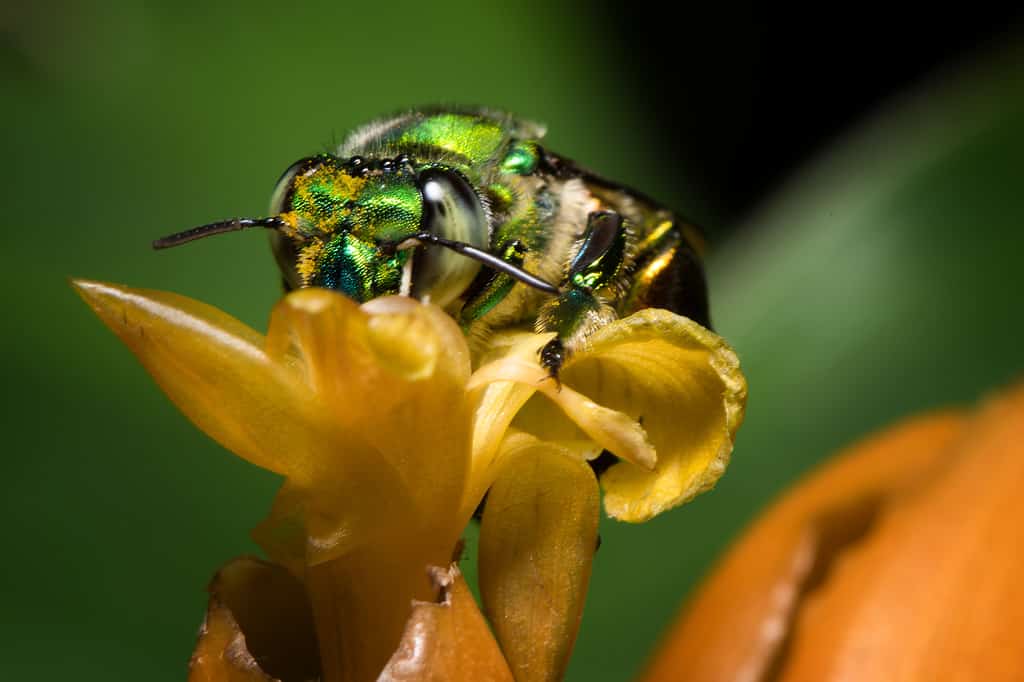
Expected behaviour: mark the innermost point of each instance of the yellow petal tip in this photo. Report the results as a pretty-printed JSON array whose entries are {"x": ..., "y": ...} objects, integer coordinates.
[{"x": 97, "y": 294}]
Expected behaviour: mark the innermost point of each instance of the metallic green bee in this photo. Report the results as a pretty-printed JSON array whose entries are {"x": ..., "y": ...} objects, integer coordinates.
[{"x": 467, "y": 210}]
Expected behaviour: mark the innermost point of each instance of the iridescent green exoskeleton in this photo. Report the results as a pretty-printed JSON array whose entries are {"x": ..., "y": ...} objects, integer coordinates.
[{"x": 467, "y": 210}]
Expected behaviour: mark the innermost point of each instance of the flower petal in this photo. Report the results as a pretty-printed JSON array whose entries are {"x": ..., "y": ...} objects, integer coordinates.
[
  {"x": 393, "y": 372},
  {"x": 358, "y": 505},
  {"x": 302, "y": 407},
  {"x": 933, "y": 591},
  {"x": 899, "y": 559},
  {"x": 214, "y": 369},
  {"x": 537, "y": 544},
  {"x": 608, "y": 428},
  {"x": 494, "y": 405},
  {"x": 258, "y": 627},
  {"x": 447, "y": 639},
  {"x": 501, "y": 388},
  {"x": 680, "y": 380},
  {"x": 683, "y": 382}
]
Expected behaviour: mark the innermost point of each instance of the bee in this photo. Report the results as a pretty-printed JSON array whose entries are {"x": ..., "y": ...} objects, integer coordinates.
[{"x": 467, "y": 210}]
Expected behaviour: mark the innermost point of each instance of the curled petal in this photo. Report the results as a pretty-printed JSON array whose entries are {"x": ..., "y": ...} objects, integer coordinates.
[
  {"x": 684, "y": 383},
  {"x": 446, "y": 639},
  {"x": 505, "y": 385},
  {"x": 397, "y": 339},
  {"x": 537, "y": 544},
  {"x": 678, "y": 380},
  {"x": 608, "y": 428}
]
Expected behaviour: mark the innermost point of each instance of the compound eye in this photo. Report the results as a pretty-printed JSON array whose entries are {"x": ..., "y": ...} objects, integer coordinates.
[
  {"x": 281, "y": 197},
  {"x": 452, "y": 210}
]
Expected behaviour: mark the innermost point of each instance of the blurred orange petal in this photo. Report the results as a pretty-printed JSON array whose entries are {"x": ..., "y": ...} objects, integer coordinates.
[{"x": 897, "y": 561}]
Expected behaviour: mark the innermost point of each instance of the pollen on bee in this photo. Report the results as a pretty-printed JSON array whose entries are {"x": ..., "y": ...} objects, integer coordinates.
[{"x": 308, "y": 258}]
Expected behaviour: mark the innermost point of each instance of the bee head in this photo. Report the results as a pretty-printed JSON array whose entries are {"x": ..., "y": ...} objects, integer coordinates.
[{"x": 357, "y": 225}]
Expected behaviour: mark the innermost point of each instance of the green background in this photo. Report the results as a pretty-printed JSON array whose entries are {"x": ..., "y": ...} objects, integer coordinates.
[{"x": 882, "y": 280}]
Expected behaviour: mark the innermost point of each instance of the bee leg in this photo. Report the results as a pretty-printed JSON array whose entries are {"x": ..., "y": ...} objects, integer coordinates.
[
  {"x": 579, "y": 311},
  {"x": 552, "y": 356}
]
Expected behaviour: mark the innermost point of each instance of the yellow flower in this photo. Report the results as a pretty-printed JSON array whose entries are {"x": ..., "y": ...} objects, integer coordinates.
[{"x": 388, "y": 441}]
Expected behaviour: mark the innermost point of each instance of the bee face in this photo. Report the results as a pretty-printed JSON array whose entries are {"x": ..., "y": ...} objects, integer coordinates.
[{"x": 347, "y": 225}]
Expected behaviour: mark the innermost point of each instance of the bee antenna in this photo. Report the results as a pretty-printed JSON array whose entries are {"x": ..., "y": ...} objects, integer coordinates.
[
  {"x": 490, "y": 261},
  {"x": 221, "y": 227}
]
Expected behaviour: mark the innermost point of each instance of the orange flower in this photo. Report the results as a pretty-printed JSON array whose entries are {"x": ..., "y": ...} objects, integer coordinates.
[{"x": 899, "y": 560}]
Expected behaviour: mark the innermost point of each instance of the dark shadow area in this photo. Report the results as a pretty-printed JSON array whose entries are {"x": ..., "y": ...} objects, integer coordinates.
[{"x": 744, "y": 94}]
